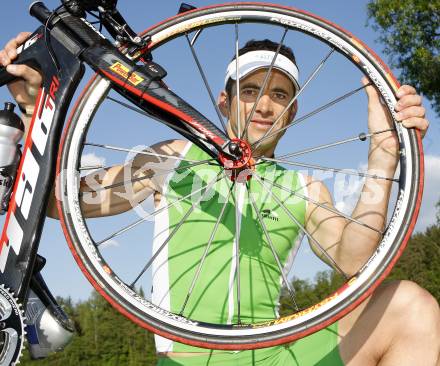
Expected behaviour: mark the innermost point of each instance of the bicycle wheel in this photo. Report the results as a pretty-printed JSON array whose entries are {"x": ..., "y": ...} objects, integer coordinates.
[{"x": 115, "y": 253}]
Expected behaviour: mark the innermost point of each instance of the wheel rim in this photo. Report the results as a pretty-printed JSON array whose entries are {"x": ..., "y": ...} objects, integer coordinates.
[{"x": 288, "y": 327}]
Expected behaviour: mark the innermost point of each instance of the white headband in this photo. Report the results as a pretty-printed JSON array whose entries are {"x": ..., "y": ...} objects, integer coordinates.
[{"x": 254, "y": 60}]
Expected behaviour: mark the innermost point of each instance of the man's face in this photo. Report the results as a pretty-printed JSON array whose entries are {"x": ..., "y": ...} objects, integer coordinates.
[{"x": 276, "y": 96}]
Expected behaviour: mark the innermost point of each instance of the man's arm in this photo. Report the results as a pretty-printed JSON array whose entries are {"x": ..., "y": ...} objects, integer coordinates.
[
  {"x": 96, "y": 202},
  {"x": 348, "y": 243},
  {"x": 133, "y": 183}
]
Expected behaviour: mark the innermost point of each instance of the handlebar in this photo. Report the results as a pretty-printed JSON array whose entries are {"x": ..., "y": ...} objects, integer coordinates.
[
  {"x": 5, "y": 77},
  {"x": 38, "y": 10},
  {"x": 111, "y": 18},
  {"x": 78, "y": 31},
  {"x": 77, "y": 35}
]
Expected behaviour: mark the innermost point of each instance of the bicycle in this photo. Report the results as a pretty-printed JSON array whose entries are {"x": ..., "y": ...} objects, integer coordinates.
[{"x": 59, "y": 49}]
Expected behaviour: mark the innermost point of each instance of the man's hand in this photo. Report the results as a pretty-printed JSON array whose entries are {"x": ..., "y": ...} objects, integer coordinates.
[
  {"x": 25, "y": 89},
  {"x": 410, "y": 109},
  {"x": 411, "y": 114}
]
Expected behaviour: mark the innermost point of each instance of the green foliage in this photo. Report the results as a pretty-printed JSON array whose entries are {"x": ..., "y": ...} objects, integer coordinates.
[
  {"x": 420, "y": 262},
  {"x": 308, "y": 292},
  {"x": 410, "y": 31},
  {"x": 438, "y": 213}
]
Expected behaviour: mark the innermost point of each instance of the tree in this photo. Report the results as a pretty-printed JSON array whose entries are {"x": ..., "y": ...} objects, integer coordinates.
[
  {"x": 410, "y": 31},
  {"x": 308, "y": 292},
  {"x": 438, "y": 212},
  {"x": 421, "y": 261}
]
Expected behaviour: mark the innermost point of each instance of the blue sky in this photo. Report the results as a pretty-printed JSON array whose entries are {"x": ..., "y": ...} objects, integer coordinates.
[{"x": 61, "y": 272}]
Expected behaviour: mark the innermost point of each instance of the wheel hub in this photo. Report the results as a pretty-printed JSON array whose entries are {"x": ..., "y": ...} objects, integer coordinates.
[{"x": 238, "y": 169}]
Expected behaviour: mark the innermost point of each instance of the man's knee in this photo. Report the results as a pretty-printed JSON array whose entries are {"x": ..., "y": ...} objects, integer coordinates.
[
  {"x": 412, "y": 308},
  {"x": 409, "y": 325}
]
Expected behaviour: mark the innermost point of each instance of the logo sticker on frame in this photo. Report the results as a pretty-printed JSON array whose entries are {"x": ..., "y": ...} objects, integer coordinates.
[{"x": 124, "y": 71}]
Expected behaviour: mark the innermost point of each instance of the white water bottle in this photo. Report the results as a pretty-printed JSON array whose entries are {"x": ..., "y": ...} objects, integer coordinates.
[{"x": 11, "y": 132}]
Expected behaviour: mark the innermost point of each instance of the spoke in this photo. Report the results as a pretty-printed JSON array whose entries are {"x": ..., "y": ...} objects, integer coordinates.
[
  {"x": 272, "y": 248},
  {"x": 148, "y": 176},
  {"x": 205, "y": 253},
  {"x": 266, "y": 79},
  {"x": 176, "y": 228},
  {"x": 302, "y": 228},
  {"x": 237, "y": 249},
  {"x": 334, "y": 170},
  {"x": 328, "y": 208},
  {"x": 195, "y": 37},
  {"x": 140, "y": 152},
  {"x": 361, "y": 137},
  {"x": 91, "y": 167},
  {"x": 205, "y": 81},
  {"x": 237, "y": 81},
  {"x": 331, "y": 103},
  {"x": 256, "y": 144},
  {"x": 316, "y": 111},
  {"x": 137, "y": 110},
  {"x": 143, "y": 219}
]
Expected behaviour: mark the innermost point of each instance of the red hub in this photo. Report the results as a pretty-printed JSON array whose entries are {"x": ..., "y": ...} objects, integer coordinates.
[{"x": 240, "y": 168}]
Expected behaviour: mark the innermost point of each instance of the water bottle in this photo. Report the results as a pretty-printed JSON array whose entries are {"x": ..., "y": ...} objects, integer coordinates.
[{"x": 11, "y": 132}]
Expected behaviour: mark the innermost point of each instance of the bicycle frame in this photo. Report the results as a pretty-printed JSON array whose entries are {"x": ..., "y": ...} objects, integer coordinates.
[{"x": 74, "y": 41}]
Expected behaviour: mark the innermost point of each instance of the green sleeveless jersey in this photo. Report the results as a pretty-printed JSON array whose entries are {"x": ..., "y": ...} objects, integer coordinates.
[{"x": 214, "y": 297}]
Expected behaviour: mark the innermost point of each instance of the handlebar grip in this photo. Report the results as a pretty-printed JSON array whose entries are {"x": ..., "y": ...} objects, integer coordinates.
[
  {"x": 5, "y": 77},
  {"x": 38, "y": 10},
  {"x": 69, "y": 23}
]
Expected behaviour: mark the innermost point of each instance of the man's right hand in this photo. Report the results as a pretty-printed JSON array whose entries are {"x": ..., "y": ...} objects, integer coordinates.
[{"x": 25, "y": 89}]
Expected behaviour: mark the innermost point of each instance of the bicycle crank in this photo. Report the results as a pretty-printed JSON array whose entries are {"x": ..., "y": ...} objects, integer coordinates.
[{"x": 12, "y": 328}]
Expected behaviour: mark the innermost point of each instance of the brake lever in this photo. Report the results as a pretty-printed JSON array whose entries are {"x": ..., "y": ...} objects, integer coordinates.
[
  {"x": 123, "y": 32},
  {"x": 111, "y": 18},
  {"x": 74, "y": 8}
]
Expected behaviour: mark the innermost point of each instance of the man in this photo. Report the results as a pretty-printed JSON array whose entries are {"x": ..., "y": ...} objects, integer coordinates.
[{"x": 386, "y": 329}]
